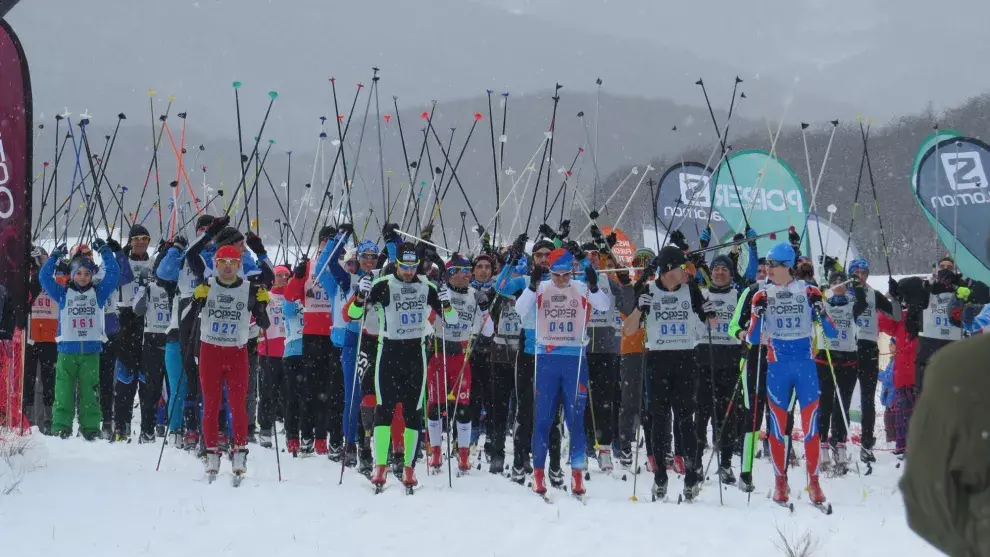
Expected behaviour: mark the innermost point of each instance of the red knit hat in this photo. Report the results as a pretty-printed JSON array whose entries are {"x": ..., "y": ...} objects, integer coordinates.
[{"x": 228, "y": 252}]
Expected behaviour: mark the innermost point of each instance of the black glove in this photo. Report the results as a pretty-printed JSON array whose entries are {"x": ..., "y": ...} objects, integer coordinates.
[
  {"x": 677, "y": 238},
  {"x": 535, "y": 277},
  {"x": 217, "y": 225},
  {"x": 180, "y": 242},
  {"x": 611, "y": 239},
  {"x": 829, "y": 262},
  {"x": 427, "y": 232},
  {"x": 300, "y": 271},
  {"x": 947, "y": 278},
  {"x": 99, "y": 244},
  {"x": 565, "y": 229},
  {"x": 546, "y": 231},
  {"x": 596, "y": 233},
  {"x": 575, "y": 250},
  {"x": 389, "y": 231},
  {"x": 591, "y": 278},
  {"x": 345, "y": 228},
  {"x": 623, "y": 278},
  {"x": 481, "y": 298},
  {"x": 892, "y": 289},
  {"x": 254, "y": 242},
  {"x": 114, "y": 245},
  {"x": 793, "y": 237},
  {"x": 860, "y": 293}
]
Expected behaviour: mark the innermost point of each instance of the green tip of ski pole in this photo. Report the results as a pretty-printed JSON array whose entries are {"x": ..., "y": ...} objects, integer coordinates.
[
  {"x": 237, "y": 85},
  {"x": 273, "y": 95},
  {"x": 271, "y": 142}
]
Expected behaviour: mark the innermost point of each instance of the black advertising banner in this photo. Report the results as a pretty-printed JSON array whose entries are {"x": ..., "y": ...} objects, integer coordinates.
[
  {"x": 15, "y": 169},
  {"x": 684, "y": 203}
]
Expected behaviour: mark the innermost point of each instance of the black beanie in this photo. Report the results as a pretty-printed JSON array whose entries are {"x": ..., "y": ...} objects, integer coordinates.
[
  {"x": 228, "y": 236},
  {"x": 406, "y": 254},
  {"x": 544, "y": 243},
  {"x": 138, "y": 230},
  {"x": 203, "y": 221}
]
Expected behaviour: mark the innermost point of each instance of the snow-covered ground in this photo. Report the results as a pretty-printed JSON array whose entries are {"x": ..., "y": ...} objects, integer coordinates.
[{"x": 81, "y": 499}]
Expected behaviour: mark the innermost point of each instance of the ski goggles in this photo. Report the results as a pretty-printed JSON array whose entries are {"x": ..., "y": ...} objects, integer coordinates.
[
  {"x": 369, "y": 256},
  {"x": 407, "y": 266},
  {"x": 229, "y": 261},
  {"x": 774, "y": 263},
  {"x": 455, "y": 270},
  {"x": 561, "y": 274}
]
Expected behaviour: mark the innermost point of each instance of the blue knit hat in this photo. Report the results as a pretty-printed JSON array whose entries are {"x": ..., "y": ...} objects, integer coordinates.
[{"x": 857, "y": 264}]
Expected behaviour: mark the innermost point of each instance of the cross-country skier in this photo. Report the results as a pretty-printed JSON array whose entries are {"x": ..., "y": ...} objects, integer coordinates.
[
  {"x": 504, "y": 352},
  {"x": 837, "y": 360},
  {"x": 298, "y": 418},
  {"x": 785, "y": 313},
  {"x": 944, "y": 293},
  {"x": 402, "y": 301},
  {"x": 631, "y": 367},
  {"x": 80, "y": 338},
  {"x": 867, "y": 328},
  {"x": 271, "y": 351},
  {"x": 562, "y": 309},
  {"x": 41, "y": 350},
  {"x": 228, "y": 303},
  {"x": 449, "y": 370},
  {"x": 482, "y": 275},
  {"x": 341, "y": 284},
  {"x": 667, "y": 306}
]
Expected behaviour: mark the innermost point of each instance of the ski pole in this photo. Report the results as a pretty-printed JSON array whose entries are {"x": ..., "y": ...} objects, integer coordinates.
[
  {"x": 717, "y": 448},
  {"x": 859, "y": 182}
]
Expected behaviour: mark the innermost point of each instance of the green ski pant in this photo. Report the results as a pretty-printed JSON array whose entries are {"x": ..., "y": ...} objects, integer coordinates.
[{"x": 72, "y": 370}]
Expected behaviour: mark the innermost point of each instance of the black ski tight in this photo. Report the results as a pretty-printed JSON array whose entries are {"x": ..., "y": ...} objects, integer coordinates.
[
  {"x": 599, "y": 418},
  {"x": 671, "y": 384},
  {"x": 830, "y": 418},
  {"x": 713, "y": 403},
  {"x": 868, "y": 372}
]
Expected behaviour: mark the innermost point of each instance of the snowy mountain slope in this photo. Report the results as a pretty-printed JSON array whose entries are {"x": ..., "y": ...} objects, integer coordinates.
[{"x": 101, "y": 499}]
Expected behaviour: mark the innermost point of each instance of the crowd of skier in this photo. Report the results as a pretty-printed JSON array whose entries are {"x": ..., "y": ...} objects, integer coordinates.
[{"x": 369, "y": 353}]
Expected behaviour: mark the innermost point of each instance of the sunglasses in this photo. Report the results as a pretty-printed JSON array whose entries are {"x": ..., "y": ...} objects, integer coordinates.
[
  {"x": 565, "y": 274},
  {"x": 229, "y": 261},
  {"x": 369, "y": 256},
  {"x": 465, "y": 270},
  {"x": 408, "y": 266},
  {"x": 775, "y": 263},
  {"x": 148, "y": 238}
]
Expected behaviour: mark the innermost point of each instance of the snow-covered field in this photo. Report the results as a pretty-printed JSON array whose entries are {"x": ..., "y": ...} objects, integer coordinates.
[{"x": 81, "y": 499}]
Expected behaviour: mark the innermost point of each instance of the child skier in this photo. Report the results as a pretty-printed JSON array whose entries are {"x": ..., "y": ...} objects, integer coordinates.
[
  {"x": 228, "y": 304},
  {"x": 80, "y": 338},
  {"x": 563, "y": 309}
]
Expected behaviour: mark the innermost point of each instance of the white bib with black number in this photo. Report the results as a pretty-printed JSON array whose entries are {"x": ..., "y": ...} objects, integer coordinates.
[
  {"x": 935, "y": 319},
  {"x": 725, "y": 306},
  {"x": 609, "y": 317},
  {"x": 845, "y": 326},
  {"x": 509, "y": 324},
  {"x": 317, "y": 299},
  {"x": 466, "y": 308},
  {"x": 276, "y": 329},
  {"x": 866, "y": 324},
  {"x": 406, "y": 315},
  {"x": 788, "y": 314},
  {"x": 225, "y": 317},
  {"x": 140, "y": 270},
  {"x": 81, "y": 319},
  {"x": 561, "y": 316},
  {"x": 669, "y": 325},
  {"x": 158, "y": 318}
]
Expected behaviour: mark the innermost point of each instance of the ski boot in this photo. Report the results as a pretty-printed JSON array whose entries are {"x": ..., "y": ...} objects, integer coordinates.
[
  {"x": 659, "y": 490},
  {"x": 782, "y": 491},
  {"x": 692, "y": 482},
  {"x": 238, "y": 466},
  {"x": 605, "y": 460},
  {"x": 379, "y": 477},
  {"x": 335, "y": 452},
  {"x": 840, "y": 459},
  {"x": 556, "y": 477},
  {"x": 815, "y": 492},
  {"x": 436, "y": 459},
  {"x": 527, "y": 464},
  {"x": 146, "y": 437},
  {"x": 265, "y": 439},
  {"x": 409, "y": 479},
  {"x": 577, "y": 482},
  {"x": 626, "y": 459},
  {"x": 824, "y": 464},
  {"x": 866, "y": 455},
  {"x": 65, "y": 434},
  {"x": 496, "y": 465},
  {"x": 463, "y": 460},
  {"x": 539, "y": 482},
  {"x": 350, "y": 455},
  {"x": 679, "y": 468},
  {"x": 651, "y": 464},
  {"x": 518, "y": 474},
  {"x": 106, "y": 433},
  {"x": 306, "y": 446},
  {"x": 320, "y": 446},
  {"x": 175, "y": 439},
  {"x": 160, "y": 430},
  {"x": 366, "y": 463},
  {"x": 91, "y": 435},
  {"x": 292, "y": 447},
  {"x": 746, "y": 482},
  {"x": 190, "y": 440},
  {"x": 212, "y": 464},
  {"x": 726, "y": 476}
]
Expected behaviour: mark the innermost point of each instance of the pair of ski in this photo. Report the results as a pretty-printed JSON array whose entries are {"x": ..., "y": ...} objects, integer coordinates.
[
  {"x": 824, "y": 508},
  {"x": 409, "y": 489}
]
